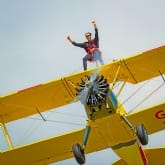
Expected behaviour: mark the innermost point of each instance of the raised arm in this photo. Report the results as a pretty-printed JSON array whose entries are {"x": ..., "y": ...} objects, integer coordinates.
[
  {"x": 94, "y": 24},
  {"x": 81, "y": 45},
  {"x": 96, "y": 39}
]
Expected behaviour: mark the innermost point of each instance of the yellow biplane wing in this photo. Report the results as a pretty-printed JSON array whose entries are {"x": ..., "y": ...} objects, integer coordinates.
[
  {"x": 153, "y": 118},
  {"x": 62, "y": 91},
  {"x": 140, "y": 67},
  {"x": 51, "y": 150}
]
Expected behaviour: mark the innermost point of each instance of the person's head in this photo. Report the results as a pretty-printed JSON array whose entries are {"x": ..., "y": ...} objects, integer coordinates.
[{"x": 88, "y": 36}]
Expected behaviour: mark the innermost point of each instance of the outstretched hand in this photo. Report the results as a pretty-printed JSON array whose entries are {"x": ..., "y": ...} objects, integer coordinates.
[
  {"x": 69, "y": 39},
  {"x": 94, "y": 24}
]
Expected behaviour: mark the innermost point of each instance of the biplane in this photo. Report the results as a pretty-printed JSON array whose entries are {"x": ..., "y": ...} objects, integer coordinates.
[{"x": 108, "y": 124}]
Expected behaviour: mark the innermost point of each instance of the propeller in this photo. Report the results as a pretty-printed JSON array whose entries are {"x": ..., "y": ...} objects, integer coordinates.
[{"x": 93, "y": 89}]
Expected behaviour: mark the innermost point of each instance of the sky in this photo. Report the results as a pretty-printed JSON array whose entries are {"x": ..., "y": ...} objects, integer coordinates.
[{"x": 34, "y": 49}]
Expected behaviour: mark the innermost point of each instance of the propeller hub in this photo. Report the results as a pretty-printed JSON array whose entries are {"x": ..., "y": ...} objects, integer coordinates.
[{"x": 93, "y": 90}]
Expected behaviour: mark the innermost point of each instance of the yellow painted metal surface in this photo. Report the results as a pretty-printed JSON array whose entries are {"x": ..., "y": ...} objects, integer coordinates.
[
  {"x": 119, "y": 162},
  {"x": 129, "y": 152},
  {"x": 156, "y": 156},
  {"x": 153, "y": 118},
  {"x": 59, "y": 92},
  {"x": 114, "y": 130}
]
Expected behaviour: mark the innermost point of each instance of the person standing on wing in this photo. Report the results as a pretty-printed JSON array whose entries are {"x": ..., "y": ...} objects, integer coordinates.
[{"x": 91, "y": 46}]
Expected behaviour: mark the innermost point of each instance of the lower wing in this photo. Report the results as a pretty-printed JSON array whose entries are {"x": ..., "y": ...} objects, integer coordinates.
[
  {"x": 153, "y": 118},
  {"x": 51, "y": 150}
]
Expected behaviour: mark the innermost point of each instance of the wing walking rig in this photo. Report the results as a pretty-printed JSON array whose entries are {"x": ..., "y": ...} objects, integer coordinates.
[{"x": 108, "y": 124}]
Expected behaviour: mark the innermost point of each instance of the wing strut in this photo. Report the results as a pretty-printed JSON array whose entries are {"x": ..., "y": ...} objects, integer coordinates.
[
  {"x": 116, "y": 76},
  {"x": 121, "y": 89},
  {"x": 40, "y": 114},
  {"x": 7, "y": 136},
  {"x": 162, "y": 75},
  {"x": 130, "y": 71},
  {"x": 147, "y": 97},
  {"x": 65, "y": 83}
]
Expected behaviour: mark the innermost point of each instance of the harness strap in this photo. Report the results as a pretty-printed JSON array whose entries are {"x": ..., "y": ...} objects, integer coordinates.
[{"x": 90, "y": 50}]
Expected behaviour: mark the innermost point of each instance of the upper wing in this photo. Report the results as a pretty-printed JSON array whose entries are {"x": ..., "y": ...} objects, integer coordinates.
[
  {"x": 62, "y": 91},
  {"x": 138, "y": 68},
  {"x": 52, "y": 149},
  {"x": 153, "y": 118},
  {"x": 31, "y": 100}
]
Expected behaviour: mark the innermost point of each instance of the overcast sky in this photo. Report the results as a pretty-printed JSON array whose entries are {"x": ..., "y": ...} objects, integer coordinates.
[{"x": 34, "y": 49}]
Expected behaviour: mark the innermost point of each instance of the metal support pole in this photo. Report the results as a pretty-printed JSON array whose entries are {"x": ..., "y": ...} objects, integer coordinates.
[
  {"x": 121, "y": 89},
  {"x": 128, "y": 123},
  {"x": 7, "y": 136},
  {"x": 162, "y": 75},
  {"x": 86, "y": 135},
  {"x": 116, "y": 75}
]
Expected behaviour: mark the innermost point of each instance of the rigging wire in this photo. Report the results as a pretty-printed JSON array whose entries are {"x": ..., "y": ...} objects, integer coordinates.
[
  {"x": 135, "y": 92},
  {"x": 57, "y": 121},
  {"x": 68, "y": 114},
  {"x": 33, "y": 127},
  {"x": 154, "y": 91}
]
